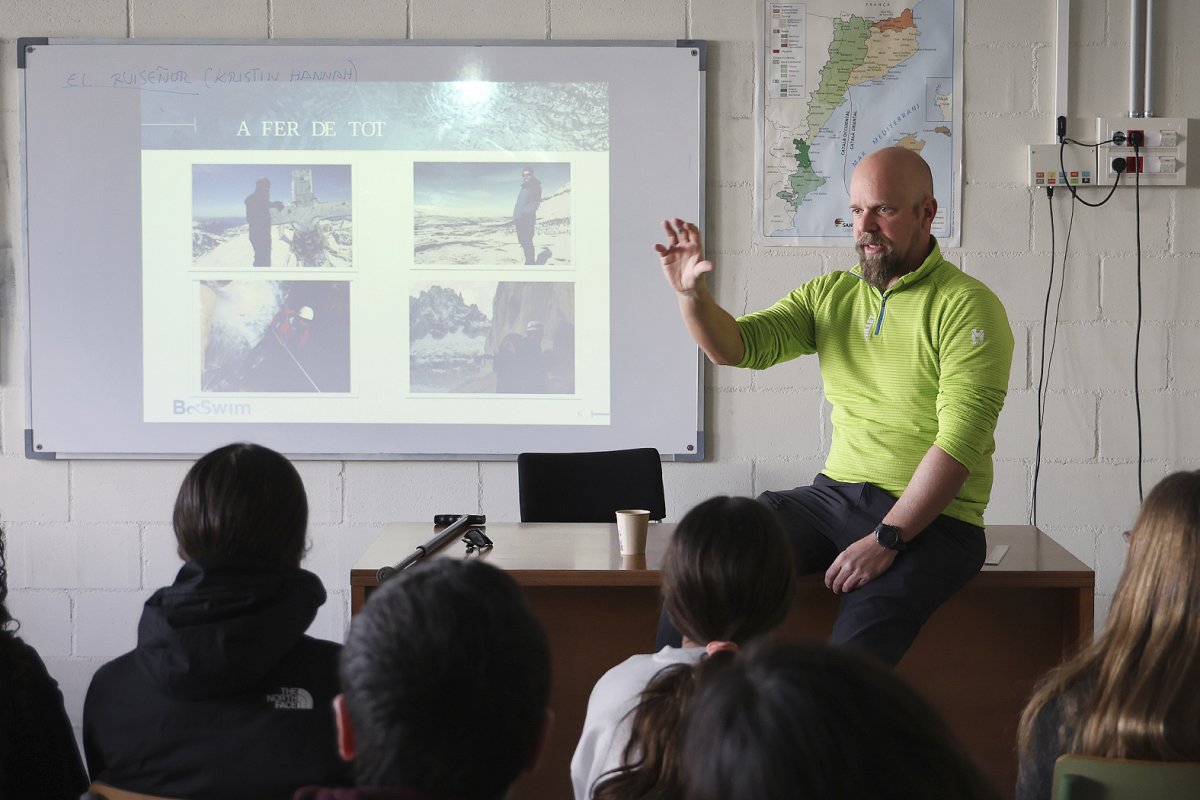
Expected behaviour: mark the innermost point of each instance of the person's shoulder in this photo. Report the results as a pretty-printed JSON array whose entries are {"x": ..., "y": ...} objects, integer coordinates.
[
  {"x": 837, "y": 282},
  {"x": 644, "y": 666},
  {"x": 310, "y": 662},
  {"x": 619, "y": 687},
  {"x": 950, "y": 276},
  {"x": 634, "y": 665},
  {"x": 122, "y": 668},
  {"x": 318, "y": 655},
  {"x": 320, "y": 647},
  {"x": 637, "y": 670},
  {"x": 669, "y": 655},
  {"x": 957, "y": 287},
  {"x": 16, "y": 650},
  {"x": 112, "y": 686},
  {"x": 847, "y": 276},
  {"x": 836, "y": 287},
  {"x": 119, "y": 664},
  {"x": 21, "y": 663},
  {"x": 25, "y": 675}
]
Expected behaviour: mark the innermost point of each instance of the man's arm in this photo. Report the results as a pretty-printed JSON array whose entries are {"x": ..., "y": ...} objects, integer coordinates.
[
  {"x": 713, "y": 328},
  {"x": 934, "y": 484}
]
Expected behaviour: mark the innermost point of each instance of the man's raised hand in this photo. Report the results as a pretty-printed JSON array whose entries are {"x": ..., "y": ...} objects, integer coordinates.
[{"x": 682, "y": 256}]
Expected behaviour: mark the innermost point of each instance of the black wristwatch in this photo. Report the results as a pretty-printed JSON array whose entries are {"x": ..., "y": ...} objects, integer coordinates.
[{"x": 889, "y": 537}]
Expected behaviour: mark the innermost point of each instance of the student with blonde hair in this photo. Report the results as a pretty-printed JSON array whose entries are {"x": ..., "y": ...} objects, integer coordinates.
[
  {"x": 727, "y": 578},
  {"x": 1135, "y": 691}
]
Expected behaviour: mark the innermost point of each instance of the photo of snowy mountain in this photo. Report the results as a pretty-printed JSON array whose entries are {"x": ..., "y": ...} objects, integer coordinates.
[
  {"x": 247, "y": 216},
  {"x": 492, "y": 337},
  {"x": 472, "y": 213}
]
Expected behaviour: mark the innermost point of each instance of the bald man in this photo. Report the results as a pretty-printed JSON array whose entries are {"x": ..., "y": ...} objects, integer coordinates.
[{"x": 914, "y": 358}]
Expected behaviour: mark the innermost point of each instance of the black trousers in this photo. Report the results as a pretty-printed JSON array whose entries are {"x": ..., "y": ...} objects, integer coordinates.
[
  {"x": 525, "y": 225},
  {"x": 883, "y": 617},
  {"x": 260, "y": 240}
]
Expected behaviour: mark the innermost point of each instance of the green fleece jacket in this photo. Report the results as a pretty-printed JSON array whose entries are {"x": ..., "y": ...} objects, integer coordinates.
[{"x": 925, "y": 363}]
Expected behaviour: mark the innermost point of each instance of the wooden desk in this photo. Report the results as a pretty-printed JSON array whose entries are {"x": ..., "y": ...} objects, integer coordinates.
[{"x": 976, "y": 659}]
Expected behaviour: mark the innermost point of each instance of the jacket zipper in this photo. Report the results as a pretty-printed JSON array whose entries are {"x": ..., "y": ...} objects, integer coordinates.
[{"x": 882, "y": 308}]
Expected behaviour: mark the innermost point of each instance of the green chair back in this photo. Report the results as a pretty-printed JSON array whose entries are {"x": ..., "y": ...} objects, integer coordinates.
[{"x": 1089, "y": 778}]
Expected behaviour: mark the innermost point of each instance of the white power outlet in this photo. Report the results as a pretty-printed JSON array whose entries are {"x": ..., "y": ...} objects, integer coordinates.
[
  {"x": 1161, "y": 160},
  {"x": 1050, "y": 167}
]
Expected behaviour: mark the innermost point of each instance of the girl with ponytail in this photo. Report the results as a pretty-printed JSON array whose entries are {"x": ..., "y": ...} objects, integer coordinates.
[{"x": 727, "y": 577}]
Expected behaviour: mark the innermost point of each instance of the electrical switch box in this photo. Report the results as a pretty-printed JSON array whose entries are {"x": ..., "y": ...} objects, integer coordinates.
[
  {"x": 1161, "y": 155},
  {"x": 1077, "y": 166}
]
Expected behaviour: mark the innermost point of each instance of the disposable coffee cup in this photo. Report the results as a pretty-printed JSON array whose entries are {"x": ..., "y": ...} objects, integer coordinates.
[
  {"x": 634, "y": 562},
  {"x": 632, "y": 526}
]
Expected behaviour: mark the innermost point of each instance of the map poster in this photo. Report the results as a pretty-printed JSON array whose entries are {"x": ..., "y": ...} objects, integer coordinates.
[{"x": 841, "y": 79}]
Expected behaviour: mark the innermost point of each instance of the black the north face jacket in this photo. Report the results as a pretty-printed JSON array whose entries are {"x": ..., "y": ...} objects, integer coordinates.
[{"x": 224, "y": 696}]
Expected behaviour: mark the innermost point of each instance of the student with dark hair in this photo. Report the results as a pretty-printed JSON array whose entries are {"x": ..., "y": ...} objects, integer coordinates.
[
  {"x": 38, "y": 756},
  {"x": 791, "y": 721},
  {"x": 727, "y": 577},
  {"x": 1134, "y": 692},
  {"x": 446, "y": 679},
  {"x": 224, "y": 695}
]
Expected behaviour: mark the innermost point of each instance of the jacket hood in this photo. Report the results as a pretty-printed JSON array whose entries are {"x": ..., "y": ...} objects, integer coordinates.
[{"x": 223, "y": 625}]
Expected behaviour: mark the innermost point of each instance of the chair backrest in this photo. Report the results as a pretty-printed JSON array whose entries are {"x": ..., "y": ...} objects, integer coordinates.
[
  {"x": 1089, "y": 778},
  {"x": 102, "y": 791},
  {"x": 590, "y": 487}
]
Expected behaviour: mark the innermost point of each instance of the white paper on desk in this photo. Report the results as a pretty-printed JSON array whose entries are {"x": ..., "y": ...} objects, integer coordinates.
[{"x": 995, "y": 554}]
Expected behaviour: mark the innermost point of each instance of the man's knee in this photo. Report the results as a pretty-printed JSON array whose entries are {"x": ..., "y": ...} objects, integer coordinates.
[
  {"x": 887, "y": 640},
  {"x": 771, "y": 500},
  {"x": 882, "y": 620}
]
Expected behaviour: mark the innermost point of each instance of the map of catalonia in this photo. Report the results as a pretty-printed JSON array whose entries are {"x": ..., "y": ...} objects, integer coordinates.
[{"x": 861, "y": 51}]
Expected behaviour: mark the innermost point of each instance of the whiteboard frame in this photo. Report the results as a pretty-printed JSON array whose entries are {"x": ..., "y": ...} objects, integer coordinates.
[{"x": 289, "y": 438}]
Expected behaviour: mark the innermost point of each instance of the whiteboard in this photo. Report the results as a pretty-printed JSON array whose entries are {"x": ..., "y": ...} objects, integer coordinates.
[{"x": 423, "y": 250}]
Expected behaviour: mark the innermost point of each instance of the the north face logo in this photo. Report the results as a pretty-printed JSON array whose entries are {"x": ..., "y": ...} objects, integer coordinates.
[
  {"x": 977, "y": 337},
  {"x": 293, "y": 698}
]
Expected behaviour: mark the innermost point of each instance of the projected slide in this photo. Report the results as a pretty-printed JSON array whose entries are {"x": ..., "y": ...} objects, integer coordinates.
[{"x": 424, "y": 253}]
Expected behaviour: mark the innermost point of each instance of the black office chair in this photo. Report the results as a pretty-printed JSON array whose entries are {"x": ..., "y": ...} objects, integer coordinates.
[{"x": 590, "y": 487}]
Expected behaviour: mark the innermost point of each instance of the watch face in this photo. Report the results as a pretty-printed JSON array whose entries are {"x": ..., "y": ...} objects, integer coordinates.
[{"x": 888, "y": 536}]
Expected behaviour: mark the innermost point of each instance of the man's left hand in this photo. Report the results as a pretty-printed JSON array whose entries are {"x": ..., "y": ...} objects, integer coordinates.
[{"x": 858, "y": 565}]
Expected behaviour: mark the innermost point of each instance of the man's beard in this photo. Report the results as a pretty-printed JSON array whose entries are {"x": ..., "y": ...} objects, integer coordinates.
[{"x": 879, "y": 269}]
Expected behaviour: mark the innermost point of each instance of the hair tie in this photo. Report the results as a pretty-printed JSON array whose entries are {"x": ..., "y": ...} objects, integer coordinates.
[{"x": 716, "y": 647}]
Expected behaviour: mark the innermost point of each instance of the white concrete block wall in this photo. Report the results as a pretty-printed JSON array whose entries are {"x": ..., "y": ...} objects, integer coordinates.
[{"x": 88, "y": 541}]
